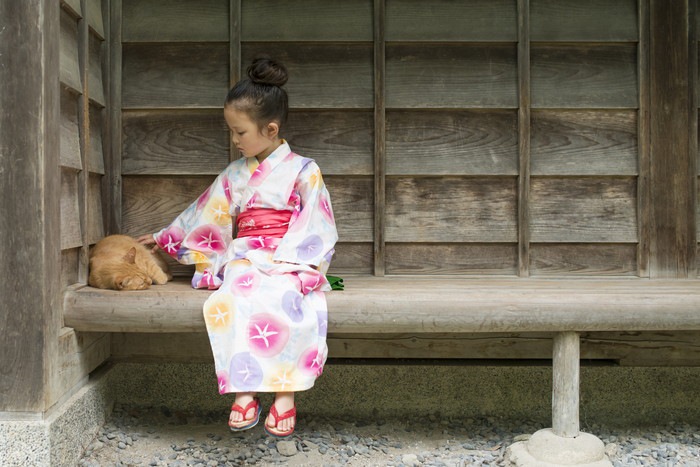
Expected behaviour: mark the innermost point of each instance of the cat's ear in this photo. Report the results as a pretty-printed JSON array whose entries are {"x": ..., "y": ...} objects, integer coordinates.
[{"x": 130, "y": 256}]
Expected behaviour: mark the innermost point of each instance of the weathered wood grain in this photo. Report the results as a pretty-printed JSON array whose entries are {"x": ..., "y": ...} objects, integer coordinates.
[
  {"x": 584, "y": 142},
  {"x": 95, "y": 228},
  {"x": 643, "y": 142},
  {"x": 94, "y": 17},
  {"x": 452, "y": 142},
  {"x": 451, "y": 258},
  {"x": 451, "y": 209},
  {"x": 96, "y": 90},
  {"x": 113, "y": 180},
  {"x": 380, "y": 153},
  {"x": 151, "y": 203},
  {"x": 70, "y": 263},
  {"x": 451, "y": 76},
  {"x": 444, "y": 20},
  {"x": 352, "y": 258},
  {"x": 566, "y": 210},
  {"x": 673, "y": 168},
  {"x": 322, "y": 75},
  {"x": 581, "y": 259},
  {"x": 178, "y": 142},
  {"x": 175, "y": 21},
  {"x": 590, "y": 21},
  {"x": 524, "y": 137},
  {"x": 70, "y": 232},
  {"x": 234, "y": 59},
  {"x": 95, "y": 161},
  {"x": 68, "y": 40},
  {"x": 565, "y": 384},
  {"x": 72, "y": 6},
  {"x": 388, "y": 305},
  {"x": 174, "y": 75},
  {"x": 79, "y": 354},
  {"x": 580, "y": 76},
  {"x": 340, "y": 141},
  {"x": 311, "y": 20},
  {"x": 70, "y": 132}
]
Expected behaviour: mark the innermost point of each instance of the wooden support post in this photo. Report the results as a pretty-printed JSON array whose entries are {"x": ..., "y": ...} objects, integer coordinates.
[
  {"x": 565, "y": 388},
  {"x": 379, "y": 137}
]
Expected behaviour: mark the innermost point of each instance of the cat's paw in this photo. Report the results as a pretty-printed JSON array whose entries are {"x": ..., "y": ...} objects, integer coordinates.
[{"x": 160, "y": 278}]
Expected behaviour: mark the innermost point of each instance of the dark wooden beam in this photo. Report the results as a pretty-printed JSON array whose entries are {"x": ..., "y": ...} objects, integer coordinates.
[
  {"x": 524, "y": 138},
  {"x": 379, "y": 136},
  {"x": 672, "y": 220},
  {"x": 234, "y": 52},
  {"x": 113, "y": 157},
  {"x": 643, "y": 194},
  {"x": 30, "y": 316}
]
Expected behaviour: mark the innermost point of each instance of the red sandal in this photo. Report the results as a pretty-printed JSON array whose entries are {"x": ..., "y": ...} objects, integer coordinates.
[
  {"x": 273, "y": 431},
  {"x": 247, "y": 423}
]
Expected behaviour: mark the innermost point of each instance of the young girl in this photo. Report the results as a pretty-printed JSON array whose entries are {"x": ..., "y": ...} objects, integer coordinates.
[{"x": 267, "y": 320}]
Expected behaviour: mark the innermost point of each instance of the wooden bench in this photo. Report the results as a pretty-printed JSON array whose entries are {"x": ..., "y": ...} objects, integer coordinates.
[{"x": 564, "y": 307}]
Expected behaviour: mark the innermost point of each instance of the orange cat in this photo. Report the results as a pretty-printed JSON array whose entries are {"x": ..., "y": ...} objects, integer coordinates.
[{"x": 119, "y": 262}]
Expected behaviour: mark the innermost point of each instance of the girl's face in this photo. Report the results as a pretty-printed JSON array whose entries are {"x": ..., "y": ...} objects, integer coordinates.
[{"x": 248, "y": 138}]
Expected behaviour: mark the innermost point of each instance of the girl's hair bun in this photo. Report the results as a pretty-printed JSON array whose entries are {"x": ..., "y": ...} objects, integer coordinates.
[{"x": 265, "y": 70}]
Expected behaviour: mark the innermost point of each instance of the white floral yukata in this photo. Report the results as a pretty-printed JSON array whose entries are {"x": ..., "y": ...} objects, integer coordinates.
[{"x": 267, "y": 321}]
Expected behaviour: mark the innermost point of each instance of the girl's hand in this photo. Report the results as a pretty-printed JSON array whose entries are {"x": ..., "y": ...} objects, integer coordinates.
[{"x": 147, "y": 241}]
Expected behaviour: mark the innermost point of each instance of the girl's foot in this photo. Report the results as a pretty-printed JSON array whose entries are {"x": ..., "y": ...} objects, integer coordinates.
[
  {"x": 282, "y": 418},
  {"x": 245, "y": 412}
]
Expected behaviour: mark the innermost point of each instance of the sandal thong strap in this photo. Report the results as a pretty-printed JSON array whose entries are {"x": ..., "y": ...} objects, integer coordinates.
[
  {"x": 288, "y": 414},
  {"x": 244, "y": 410}
]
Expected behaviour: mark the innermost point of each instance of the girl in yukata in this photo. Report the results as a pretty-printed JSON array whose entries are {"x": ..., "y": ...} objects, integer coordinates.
[{"x": 262, "y": 235}]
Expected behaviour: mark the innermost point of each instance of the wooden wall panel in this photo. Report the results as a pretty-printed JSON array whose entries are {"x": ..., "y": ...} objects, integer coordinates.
[
  {"x": 444, "y": 20},
  {"x": 451, "y": 142},
  {"x": 351, "y": 258},
  {"x": 70, "y": 130},
  {"x": 174, "y": 142},
  {"x": 570, "y": 259},
  {"x": 94, "y": 17},
  {"x": 72, "y": 6},
  {"x": 590, "y": 21},
  {"x": 175, "y": 21},
  {"x": 583, "y": 210},
  {"x": 94, "y": 209},
  {"x": 451, "y": 76},
  {"x": 340, "y": 141},
  {"x": 70, "y": 265},
  {"x": 151, "y": 203},
  {"x": 451, "y": 258},
  {"x": 68, "y": 40},
  {"x": 451, "y": 209},
  {"x": 71, "y": 236},
  {"x": 311, "y": 20},
  {"x": 323, "y": 76},
  {"x": 584, "y": 142},
  {"x": 174, "y": 75},
  {"x": 580, "y": 76},
  {"x": 95, "y": 160},
  {"x": 95, "y": 82}
]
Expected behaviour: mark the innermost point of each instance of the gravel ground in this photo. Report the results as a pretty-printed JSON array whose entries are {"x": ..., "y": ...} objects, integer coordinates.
[{"x": 161, "y": 437}]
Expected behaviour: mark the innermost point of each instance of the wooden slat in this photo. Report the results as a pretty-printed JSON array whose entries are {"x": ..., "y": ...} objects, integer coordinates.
[
  {"x": 643, "y": 129},
  {"x": 85, "y": 129},
  {"x": 322, "y": 75},
  {"x": 579, "y": 76},
  {"x": 451, "y": 76},
  {"x": 151, "y": 203},
  {"x": 451, "y": 258},
  {"x": 352, "y": 258},
  {"x": 94, "y": 17},
  {"x": 95, "y": 220},
  {"x": 72, "y": 6},
  {"x": 70, "y": 132},
  {"x": 95, "y": 161},
  {"x": 311, "y": 20},
  {"x": 186, "y": 142},
  {"x": 95, "y": 83},
  {"x": 590, "y": 21},
  {"x": 70, "y": 71},
  {"x": 113, "y": 180},
  {"x": 389, "y": 305},
  {"x": 673, "y": 195},
  {"x": 452, "y": 142},
  {"x": 380, "y": 153},
  {"x": 451, "y": 209},
  {"x": 524, "y": 137},
  {"x": 583, "y": 210},
  {"x": 581, "y": 259},
  {"x": 340, "y": 141},
  {"x": 174, "y": 75},
  {"x": 70, "y": 232},
  {"x": 70, "y": 261},
  {"x": 175, "y": 21},
  {"x": 584, "y": 142},
  {"x": 79, "y": 354},
  {"x": 444, "y": 20}
]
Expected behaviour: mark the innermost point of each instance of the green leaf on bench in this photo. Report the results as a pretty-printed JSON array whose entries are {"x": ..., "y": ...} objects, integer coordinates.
[{"x": 336, "y": 282}]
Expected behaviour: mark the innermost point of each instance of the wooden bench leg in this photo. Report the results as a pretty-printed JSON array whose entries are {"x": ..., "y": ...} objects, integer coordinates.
[{"x": 563, "y": 444}]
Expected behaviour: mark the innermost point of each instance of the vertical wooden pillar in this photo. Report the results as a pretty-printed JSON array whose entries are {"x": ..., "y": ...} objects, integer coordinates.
[
  {"x": 113, "y": 190},
  {"x": 379, "y": 137},
  {"x": 524, "y": 137},
  {"x": 672, "y": 165},
  {"x": 30, "y": 313},
  {"x": 234, "y": 57},
  {"x": 565, "y": 387}
]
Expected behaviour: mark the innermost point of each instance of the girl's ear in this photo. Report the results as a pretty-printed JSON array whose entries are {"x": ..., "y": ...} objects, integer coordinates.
[{"x": 273, "y": 129}]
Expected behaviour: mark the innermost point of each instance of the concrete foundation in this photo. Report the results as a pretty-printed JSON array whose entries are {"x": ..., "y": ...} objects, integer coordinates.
[{"x": 545, "y": 449}]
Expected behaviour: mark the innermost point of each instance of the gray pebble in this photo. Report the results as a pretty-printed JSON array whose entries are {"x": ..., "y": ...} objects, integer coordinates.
[
  {"x": 286, "y": 448},
  {"x": 121, "y": 445}
]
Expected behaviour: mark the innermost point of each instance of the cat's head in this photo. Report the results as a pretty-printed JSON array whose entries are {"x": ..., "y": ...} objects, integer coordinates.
[{"x": 130, "y": 276}]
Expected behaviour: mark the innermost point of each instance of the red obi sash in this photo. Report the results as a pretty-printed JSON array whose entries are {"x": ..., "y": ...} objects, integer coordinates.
[{"x": 263, "y": 223}]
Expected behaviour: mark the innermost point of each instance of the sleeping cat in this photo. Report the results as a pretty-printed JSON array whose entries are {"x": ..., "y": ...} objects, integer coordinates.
[{"x": 120, "y": 262}]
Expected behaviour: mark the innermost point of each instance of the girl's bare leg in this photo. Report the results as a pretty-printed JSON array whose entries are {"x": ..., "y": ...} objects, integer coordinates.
[
  {"x": 284, "y": 401},
  {"x": 243, "y": 399}
]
